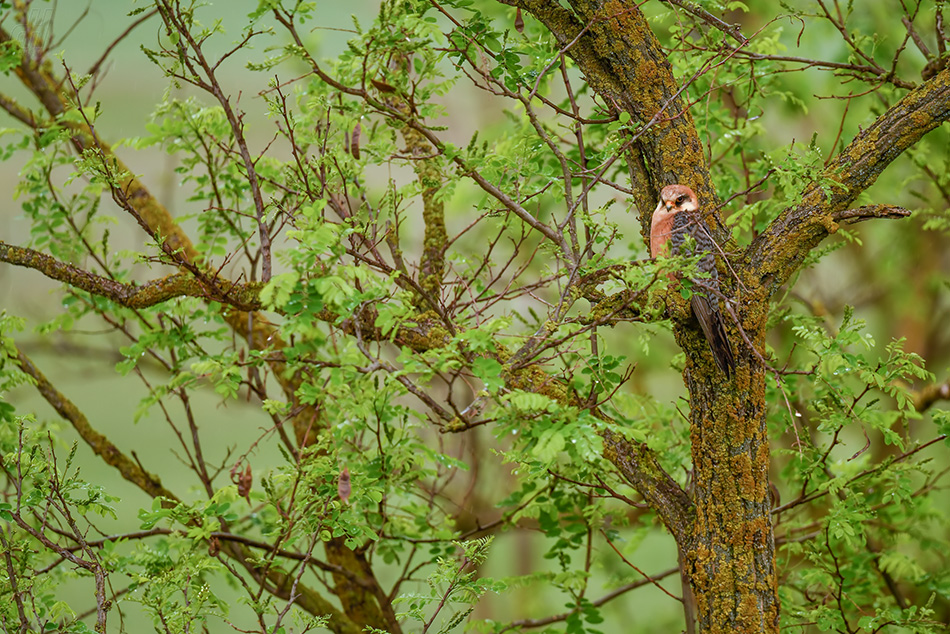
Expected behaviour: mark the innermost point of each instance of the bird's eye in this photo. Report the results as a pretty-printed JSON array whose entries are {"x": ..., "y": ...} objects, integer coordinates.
[{"x": 681, "y": 199}]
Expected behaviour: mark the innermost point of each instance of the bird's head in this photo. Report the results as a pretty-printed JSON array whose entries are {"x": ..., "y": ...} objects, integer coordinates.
[{"x": 675, "y": 198}]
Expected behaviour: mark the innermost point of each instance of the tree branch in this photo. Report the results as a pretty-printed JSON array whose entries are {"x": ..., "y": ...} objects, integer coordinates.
[
  {"x": 731, "y": 30},
  {"x": 640, "y": 467},
  {"x": 153, "y": 292},
  {"x": 869, "y": 212},
  {"x": 623, "y": 62},
  {"x": 776, "y": 254},
  {"x": 100, "y": 445}
]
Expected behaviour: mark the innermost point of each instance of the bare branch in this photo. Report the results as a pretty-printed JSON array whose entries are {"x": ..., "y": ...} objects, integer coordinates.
[
  {"x": 731, "y": 30},
  {"x": 869, "y": 212}
]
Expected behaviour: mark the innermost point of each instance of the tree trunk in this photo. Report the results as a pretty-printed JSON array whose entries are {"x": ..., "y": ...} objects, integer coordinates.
[
  {"x": 724, "y": 528},
  {"x": 725, "y": 533},
  {"x": 732, "y": 554}
]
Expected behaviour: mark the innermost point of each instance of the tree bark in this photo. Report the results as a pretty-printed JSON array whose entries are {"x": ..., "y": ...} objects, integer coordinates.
[
  {"x": 725, "y": 531},
  {"x": 732, "y": 552}
]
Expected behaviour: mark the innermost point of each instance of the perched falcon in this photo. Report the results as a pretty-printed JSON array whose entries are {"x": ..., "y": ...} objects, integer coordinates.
[{"x": 676, "y": 217}]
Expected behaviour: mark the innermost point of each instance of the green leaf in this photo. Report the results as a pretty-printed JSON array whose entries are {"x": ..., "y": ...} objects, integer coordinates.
[
  {"x": 549, "y": 446},
  {"x": 276, "y": 293},
  {"x": 489, "y": 372}
]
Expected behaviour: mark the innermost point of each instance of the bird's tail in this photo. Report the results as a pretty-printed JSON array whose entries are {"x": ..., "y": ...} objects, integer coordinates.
[{"x": 710, "y": 320}]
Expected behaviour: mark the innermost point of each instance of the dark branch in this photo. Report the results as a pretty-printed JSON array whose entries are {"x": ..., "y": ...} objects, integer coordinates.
[
  {"x": 731, "y": 30},
  {"x": 869, "y": 212}
]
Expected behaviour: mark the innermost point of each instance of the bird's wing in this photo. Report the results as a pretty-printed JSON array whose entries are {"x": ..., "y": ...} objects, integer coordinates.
[
  {"x": 681, "y": 226},
  {"x": 710, "y": 320}
]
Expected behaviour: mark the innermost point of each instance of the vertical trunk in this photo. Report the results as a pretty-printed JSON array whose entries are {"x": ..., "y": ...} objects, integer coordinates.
[
  {"x": 727, "y": 538},
  {"x": 733, "y": 552}
]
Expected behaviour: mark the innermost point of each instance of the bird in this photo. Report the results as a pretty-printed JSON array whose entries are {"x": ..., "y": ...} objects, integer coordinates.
[{"x": 677, "y": 216}]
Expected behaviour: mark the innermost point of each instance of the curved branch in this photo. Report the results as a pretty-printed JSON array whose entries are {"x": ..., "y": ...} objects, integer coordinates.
[
  {"x": 547, "y": 620},
  {"x": 131, "y": 471},
  {"x": 639, "y": 466},
  {"x": 778, "y": 252},
  {"x": 242, "y": 296}
]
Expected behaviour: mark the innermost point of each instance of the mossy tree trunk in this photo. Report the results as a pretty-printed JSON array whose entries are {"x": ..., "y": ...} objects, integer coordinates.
[
  {"x": 724, "y": 525},
  {"x": 731, "y": 551}
]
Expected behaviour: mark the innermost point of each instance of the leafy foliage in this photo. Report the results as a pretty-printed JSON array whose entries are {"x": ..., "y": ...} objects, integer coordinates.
[{"x": 444, "y": 328}]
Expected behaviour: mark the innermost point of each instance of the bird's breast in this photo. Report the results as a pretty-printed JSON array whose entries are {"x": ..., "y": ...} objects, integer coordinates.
[{"x": 661, "y": 230}]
